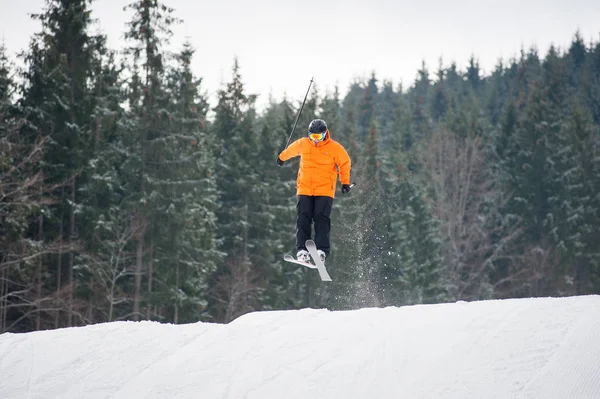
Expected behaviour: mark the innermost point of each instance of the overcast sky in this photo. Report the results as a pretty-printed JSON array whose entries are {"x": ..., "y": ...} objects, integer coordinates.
[{"x": 281, "y": 44}]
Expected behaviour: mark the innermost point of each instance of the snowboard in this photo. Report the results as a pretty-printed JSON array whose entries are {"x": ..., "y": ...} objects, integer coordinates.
[{"x": 318, "y": 264}]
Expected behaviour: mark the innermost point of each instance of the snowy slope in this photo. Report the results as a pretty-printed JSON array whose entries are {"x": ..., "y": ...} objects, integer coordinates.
[{"x": 529, "y": 348}]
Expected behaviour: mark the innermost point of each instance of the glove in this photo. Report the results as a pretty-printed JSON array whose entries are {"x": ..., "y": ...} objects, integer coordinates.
[
  {"x": 345, "y": 188},
  {"x": 279, "y": 161}
]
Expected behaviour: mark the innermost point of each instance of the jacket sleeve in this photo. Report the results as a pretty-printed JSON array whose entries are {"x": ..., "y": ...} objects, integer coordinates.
[
  {"x": 344, "y": 163},
  {"x": 293, "y": 150}
]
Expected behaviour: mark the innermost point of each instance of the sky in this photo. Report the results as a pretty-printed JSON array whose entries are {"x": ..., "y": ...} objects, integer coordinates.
[
  {"x": 282, "y": 44},
  {"x": 516, "y": 348}
]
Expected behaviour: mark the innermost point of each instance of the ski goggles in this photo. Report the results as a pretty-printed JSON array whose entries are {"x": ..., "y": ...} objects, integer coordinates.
[{"x": 317, "y": 136}]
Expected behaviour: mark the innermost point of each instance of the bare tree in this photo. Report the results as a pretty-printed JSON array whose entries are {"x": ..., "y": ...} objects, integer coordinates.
[
  {"x": 535, "y": 272},
  {"x": 112, "y": 261},
  {"x": 237, "y": 290},
  {"x": 467, "y": 201},
  {"x": 140, "y": 224},
  {"x": 22, "y": 194}
]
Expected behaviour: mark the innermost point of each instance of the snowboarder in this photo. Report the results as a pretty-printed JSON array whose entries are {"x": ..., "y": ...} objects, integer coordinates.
[{"x": 321, "y": 160}]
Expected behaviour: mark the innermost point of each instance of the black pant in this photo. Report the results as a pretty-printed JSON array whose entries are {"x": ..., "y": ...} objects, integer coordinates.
[{"x": 317, "y": 209}]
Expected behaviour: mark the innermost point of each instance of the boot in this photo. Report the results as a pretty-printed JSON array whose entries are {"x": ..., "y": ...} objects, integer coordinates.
[
  {"x": 303, "y": 256},
  {"x": 322, "y": 255}
]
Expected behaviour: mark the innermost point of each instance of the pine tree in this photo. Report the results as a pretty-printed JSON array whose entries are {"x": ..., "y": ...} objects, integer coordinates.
[
  {"x": 497, "y": 93},
  {"x": 6, "y": 83},
  {"x": 419, "y": 101},
  {"x": 346, "y": 238},
  {"x": 395, "y": 177},
  {"x": 150, "y": 146},
  {"x": 439, "y": 102},
  {"x": 523, "y": 74},
  {"x": 577, "y": 232},
  {"x": 351, "y": 111},
  {"x": 416, "y": 275},
  {"x": 576, "y": 60},
  {"x": 103, "y": 263},
  {"x": 592, "y": 83},
  {"x": 473, "y": 76},
  {"x": 413, "y": 266},
  {"x": 366, "y": 108},
  {"x": 386, "y": 107},
  {"x": 58, "y": 102},
  {"x": 530, "y": 182},
  {"x": 22, "y": 189},
  {"x": 186, "y": 246},
  {"x": 236, "y": 288},
  {"x": 570, "y": 164},
  {"x": 372, "y": 226}
]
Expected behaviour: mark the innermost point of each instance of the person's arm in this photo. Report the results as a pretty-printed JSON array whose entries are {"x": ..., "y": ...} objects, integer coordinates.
[
  {"x": 344, "y": 163},
  {"x": 293, "y": 150}
]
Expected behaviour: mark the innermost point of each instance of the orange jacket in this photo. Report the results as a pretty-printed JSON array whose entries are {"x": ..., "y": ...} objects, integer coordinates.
[{"x": 319, "y": 163}]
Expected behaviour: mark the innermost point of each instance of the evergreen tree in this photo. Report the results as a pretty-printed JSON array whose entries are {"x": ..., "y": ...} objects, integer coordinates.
[
  {"x": 372, "y": 227},
  {"x": 530, "y": 182},
  {"x": 151, "y": 147},
  {"x": 592, "y": 83},
  {"x": 346, "y": 238},
  {"x": 419, "y": 101},
  {"x": 22, "y": 190},
  {"x": 396, "y": 175},
  {"x": 439, "y": 104},
  {"x": 366, "y": 108},
  {"x": 417, "y": 275},
  {"x": 57, "y": 98},
  {"x": 351, "y": 111},
  {"x": 497, "y": 94},
  {"x": 412, "y": 270},
  {"x": 523, "y": 74},
  {"x": 6, "y": 83},
  {"x": 103, "y": 262},
  {"x": 576, "y": 60},
  {"x": 186, "y": 249},
  {"x": 473, "y": 76},
  {"x": 236, "y": 288},
  {"x": 578, "y": 208},
  {"x": 386, "y": 107}
]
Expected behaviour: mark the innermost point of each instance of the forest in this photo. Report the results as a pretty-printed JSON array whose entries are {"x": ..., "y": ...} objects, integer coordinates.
[{"x": 126, "y": 195}]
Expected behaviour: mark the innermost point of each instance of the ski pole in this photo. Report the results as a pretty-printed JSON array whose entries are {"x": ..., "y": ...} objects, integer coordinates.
[{"x": 299, "y": 112}]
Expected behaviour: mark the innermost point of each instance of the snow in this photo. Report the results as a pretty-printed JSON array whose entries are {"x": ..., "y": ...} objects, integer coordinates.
[{"x": 524, "y": 348}]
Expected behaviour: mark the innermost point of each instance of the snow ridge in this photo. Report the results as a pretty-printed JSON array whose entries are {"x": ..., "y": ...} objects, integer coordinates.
[{"x": 529, "y": 348}]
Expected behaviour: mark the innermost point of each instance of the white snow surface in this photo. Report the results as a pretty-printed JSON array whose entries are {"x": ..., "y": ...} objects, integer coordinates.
[{"x": 516, "y": 348}]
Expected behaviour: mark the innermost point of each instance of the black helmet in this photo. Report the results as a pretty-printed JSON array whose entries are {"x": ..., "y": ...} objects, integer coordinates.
[{"x": 317, "y": 126}]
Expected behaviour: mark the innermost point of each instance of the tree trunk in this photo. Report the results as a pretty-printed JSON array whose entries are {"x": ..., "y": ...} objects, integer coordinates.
[
  {"x": 90, "y": 310},
  {"x": 3, "y": 297},
  {"x": 38, "y": 276},
  {"x": 582, "y": 277},
  {"x": 71, "y": 255},
  {"x": 150, "y": 271},
  {"x": 139, "y": 259},
  {"x": 58, "y": 276},
  {"x": 176, "y": 316},
  {"x": 59, "y": 262}
]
